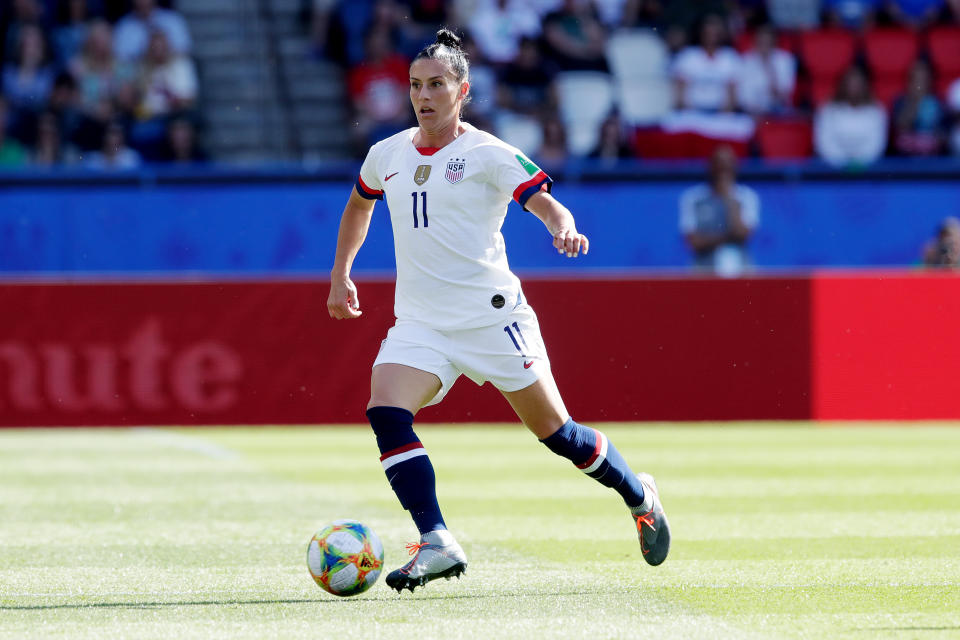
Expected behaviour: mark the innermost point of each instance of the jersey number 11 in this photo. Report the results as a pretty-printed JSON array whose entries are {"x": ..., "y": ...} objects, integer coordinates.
[{"x": 423, "y": 198}]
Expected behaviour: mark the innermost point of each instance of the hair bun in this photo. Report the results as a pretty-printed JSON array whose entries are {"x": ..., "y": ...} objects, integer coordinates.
[{"x": 448, "y": 39}]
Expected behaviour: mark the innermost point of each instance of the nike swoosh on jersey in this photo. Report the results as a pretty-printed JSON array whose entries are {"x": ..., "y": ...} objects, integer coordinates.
[
  {"x": 527, "y": 365},
  {"x": 391, "y": 175}
]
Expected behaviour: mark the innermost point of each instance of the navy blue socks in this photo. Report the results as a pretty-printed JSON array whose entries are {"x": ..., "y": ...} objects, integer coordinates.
[
  {"x": 407, "y": 466},
  {"x": 596, "y": 456}
]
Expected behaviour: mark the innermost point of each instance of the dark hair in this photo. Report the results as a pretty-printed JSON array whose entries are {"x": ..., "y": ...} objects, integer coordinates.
[
  {"x": 448, "y": 50},
  {"x": 842, "y": 95}
]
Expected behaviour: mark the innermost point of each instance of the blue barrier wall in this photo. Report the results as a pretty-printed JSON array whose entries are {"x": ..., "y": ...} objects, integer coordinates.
[{"x": 284, "y": 226}]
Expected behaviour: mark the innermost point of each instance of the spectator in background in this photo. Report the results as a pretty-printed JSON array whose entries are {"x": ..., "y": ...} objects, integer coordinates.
[
  {"x": 72, "y": 27},
  {"x": 644, "y": 14},
  {"x": 575, "y": 38},
  {"x": 952, "y": 13},
  {"x": 379, "y": 89},
  {"x": 21, "y": 13},
  {"x": 609, "y": 12},
  {"x": 705, "y": 76},
  {"x": 718, "y": 218},
  {"x": 747, "y": 14},
  {"x": 689, "y": 14},
  {"x": 65, "y": 106},
  {"x": 167, "y": 86},
  {"x": 351, "y": 22},
  {"x": 794, "y": 14},
  {"x": 12, "y": 154},
  {"x": 181, "y": 143},
  {"x": 553, "y": 149},
  {"x": 526, "y": 83},
  {"x": 319, "y": 14},
  {"x": 114, "y": 154},
  {"x": 483, "y": 86},
  {"x": 393, "y": 17},
  {"x": 852, "y": 14},
  {"x": 767, "y": 75},
  {"x": 100, "y": 76},
  {"x": 851, "y": 130},
  {"x": 944, "y": 249},
  {"x": 49, "y": 149},
  {"x": 28, "y": 78},
  {"x": 953, "y": 112},
  {"x": 498, "y": 26},
  {"x": 421, "y": 21},
  {"x": 918, "y": 116},
  {"x": 676, "y": 39},
  {"x": 916, "y": 14},
  {"x": 132, "y": 35},
  {"x": 613, "y": 145}
]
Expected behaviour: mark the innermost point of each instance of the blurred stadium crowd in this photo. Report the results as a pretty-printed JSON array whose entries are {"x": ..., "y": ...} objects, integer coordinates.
[
  {"x": 101, "y": 83},
  {"x": 848, "y": 80},
  {"x": 111, "y": 83}
]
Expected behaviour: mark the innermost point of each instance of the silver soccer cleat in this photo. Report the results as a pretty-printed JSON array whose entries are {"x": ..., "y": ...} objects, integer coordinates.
[
  {"x": 437, "y": 555},
  {"x": 652, "y": 527}
]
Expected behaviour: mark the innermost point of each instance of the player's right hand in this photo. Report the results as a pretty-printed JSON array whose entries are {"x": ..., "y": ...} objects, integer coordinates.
[{"x": 343, "y": 302}]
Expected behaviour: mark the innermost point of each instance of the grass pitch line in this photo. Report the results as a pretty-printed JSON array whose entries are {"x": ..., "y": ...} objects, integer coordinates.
[{"x": 193, "y": 444}]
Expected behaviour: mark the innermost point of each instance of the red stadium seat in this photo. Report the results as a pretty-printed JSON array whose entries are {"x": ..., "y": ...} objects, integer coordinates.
[
  {"x": 943, "y": 44},
  {"x": 890, "y": 53},
  {"x": 826, "y": 53},
  {"x": 786, "y": 40},
  {"x": 785, "y": 139},
  {"x": 887, "y": 90}
]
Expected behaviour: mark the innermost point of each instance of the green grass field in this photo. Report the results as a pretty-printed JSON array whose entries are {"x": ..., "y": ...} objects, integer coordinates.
[{"x": 778, "y": 531}]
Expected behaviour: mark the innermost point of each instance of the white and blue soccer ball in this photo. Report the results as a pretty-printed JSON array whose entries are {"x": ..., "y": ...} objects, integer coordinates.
[{"x": 345, "y": 557}]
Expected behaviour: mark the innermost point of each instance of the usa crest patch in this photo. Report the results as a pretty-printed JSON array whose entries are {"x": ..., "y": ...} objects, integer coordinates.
[{"x": 455, "y": 167}]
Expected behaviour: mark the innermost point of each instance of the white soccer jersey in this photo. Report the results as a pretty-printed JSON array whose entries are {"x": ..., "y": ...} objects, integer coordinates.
[{"x": 447, "y": 210}]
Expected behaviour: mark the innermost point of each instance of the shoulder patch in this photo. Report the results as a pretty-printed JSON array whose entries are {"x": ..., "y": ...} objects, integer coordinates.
[{"x": 528, "y": 166}]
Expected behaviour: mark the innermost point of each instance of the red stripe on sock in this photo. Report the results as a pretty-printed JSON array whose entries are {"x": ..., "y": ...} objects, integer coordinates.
[
  {"x": 403, "y": 449},
  {"x": 596, "y": 451}
]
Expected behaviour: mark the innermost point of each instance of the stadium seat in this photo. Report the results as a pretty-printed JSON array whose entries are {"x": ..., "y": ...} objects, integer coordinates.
[
  {"x": 785, "y": 139},
  {"x": 890, "y": 53},
  {"x": 887, "y": 90},
  {"x": 826, "y": 53},
  {"x": 586, "y": 98},
  {"x": 637, "y": 53},
  {"x": 644, "y": 101},
  {"x": 943, "y": 44},
  {"x": 786, "y": 40},
  {"x": 523, "y": 132}
]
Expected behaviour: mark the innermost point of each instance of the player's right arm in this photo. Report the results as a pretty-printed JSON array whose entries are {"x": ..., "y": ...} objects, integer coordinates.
[{"x": 343, "y": 302}]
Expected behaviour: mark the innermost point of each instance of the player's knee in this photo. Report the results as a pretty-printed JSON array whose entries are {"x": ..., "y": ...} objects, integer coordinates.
[
  {"x": 544, "y": 426},
  {"x": 385, "y": 400}
]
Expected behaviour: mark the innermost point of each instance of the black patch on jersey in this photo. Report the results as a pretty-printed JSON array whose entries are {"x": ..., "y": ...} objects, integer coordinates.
[{"x": 498, "y": 301}]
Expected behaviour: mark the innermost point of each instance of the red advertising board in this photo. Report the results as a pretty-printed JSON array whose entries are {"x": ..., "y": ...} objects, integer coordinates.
[
  {"x": 886, "y": 346},
  {"x": 621, "y": 349}
]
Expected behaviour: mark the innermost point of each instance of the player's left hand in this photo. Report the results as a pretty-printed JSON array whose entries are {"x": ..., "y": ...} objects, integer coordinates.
[{"x": 571, "y": 243}]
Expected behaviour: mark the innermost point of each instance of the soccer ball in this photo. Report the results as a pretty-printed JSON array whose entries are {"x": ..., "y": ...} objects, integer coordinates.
[{"x": 345, "y": 557}]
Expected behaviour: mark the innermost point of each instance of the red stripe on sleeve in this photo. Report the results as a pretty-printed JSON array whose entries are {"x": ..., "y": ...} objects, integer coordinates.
[
  {"x": 371, "y": 192},
  {"x": 532, "y": 182},
  {"x": 403, "y": 449}
]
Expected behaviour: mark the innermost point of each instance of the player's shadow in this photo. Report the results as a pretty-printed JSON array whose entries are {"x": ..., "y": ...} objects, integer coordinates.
[{"x": 237, "y": 601}]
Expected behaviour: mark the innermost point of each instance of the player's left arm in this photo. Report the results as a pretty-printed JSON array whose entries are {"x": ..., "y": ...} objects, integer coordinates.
[{"x": 560, "y": 223}]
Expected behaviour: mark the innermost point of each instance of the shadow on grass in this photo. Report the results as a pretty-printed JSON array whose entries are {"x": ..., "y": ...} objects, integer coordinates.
[
  {"x": 871, "y": 629},
  {"x": 314, "y": 601}
]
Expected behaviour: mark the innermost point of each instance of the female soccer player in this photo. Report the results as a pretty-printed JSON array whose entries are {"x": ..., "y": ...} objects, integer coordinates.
[{"x": 459, "y": 308}]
